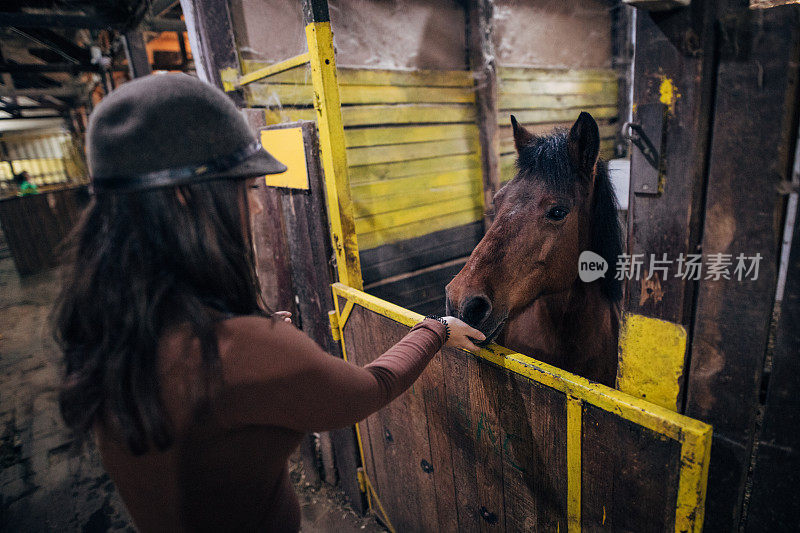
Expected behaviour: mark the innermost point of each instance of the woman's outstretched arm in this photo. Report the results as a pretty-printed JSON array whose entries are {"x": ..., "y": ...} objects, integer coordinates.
[{"x": 276, "y": 375}]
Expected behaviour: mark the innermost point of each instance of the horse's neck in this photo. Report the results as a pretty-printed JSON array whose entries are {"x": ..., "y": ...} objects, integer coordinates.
[{"x": 576, "y": 330}]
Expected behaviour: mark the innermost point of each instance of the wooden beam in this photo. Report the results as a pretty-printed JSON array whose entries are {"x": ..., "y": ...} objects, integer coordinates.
[
  {"x": 678, "y": 72},
  {"x": 211, "y": 36},
  {"x": 754, "y": 126},
  {"x": 52, "y": 20},
  {"x": 483, "y": 65},
  {"x": 70, "y": 68},
  {"x": 136, "y": 53}
]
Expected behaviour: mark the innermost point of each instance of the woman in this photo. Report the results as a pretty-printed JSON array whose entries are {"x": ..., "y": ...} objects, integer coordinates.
[{"x": 195, "y": 394}]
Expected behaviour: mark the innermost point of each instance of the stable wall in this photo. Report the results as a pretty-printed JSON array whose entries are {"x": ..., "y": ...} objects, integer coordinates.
[
  {"x": 403, "y": 34},
  {"x": 574, "y": 34}
]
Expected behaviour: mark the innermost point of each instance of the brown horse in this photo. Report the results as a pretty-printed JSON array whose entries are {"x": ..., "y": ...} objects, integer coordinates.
[{"x": 520, "y": 286}]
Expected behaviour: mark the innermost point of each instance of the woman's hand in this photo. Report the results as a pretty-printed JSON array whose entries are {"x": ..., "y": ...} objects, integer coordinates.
[
  {"x": 462, "y": 335},
  {"x": 286, "y": 316}
]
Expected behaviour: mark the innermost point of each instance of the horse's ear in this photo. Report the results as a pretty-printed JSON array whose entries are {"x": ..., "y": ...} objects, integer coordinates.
[
  {"x": 521, "y": 135},
  {"x": 583, "y": 143}
]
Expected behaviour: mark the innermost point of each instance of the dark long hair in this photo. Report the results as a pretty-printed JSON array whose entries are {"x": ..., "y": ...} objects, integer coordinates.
[{"x": 136, "y": 265}]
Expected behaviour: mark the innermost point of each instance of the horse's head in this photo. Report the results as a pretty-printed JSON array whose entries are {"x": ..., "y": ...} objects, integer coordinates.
[{"x": 559, "y": 204}]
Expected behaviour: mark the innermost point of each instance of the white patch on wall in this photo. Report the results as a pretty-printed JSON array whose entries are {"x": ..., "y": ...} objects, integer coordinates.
[{"x": 619, "y": 170}]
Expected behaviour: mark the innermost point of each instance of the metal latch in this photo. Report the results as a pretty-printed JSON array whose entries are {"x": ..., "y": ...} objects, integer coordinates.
[{"x": 647, "y": 136}]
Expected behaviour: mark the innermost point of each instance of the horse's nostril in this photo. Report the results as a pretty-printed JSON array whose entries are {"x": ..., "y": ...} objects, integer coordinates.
[{"x": 476, "y": 310}]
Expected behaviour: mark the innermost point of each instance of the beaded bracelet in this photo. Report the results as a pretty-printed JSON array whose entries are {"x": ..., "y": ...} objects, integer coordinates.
[{"x": 446, "y": 326}]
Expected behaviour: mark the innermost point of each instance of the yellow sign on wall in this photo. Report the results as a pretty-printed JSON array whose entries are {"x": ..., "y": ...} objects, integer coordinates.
[{"x": 286, "y": 145}]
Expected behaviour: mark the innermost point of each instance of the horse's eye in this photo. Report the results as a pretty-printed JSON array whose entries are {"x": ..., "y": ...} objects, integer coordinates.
[{"x": 557, "y": 213}]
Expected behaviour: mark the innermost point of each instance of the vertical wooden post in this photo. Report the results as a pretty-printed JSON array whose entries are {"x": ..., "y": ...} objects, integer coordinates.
[
  {"x": 210, "y": 29},
  {"x": 774, "y": 503},
  {"x": 677, "y": 71},
  {"x": 331, "y": 138},
  {"x": 482, "y": 62},
  {"x": 754, "y": 125},
  {"x": 136, "y": 53}
]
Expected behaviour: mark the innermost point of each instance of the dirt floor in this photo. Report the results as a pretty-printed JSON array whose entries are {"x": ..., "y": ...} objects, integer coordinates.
[{"x": 44, "y": 486}]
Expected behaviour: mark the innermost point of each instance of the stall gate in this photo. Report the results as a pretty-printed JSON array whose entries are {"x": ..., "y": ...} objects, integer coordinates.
[{"x": 500, "y": 441}]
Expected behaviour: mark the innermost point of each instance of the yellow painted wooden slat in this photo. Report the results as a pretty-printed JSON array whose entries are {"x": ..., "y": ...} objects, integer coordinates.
[
  {"x": 508, "y": 102},
  {"x": 422, "y": 181},
  {"x": 370, "y": 206},
  {"x": 511, "y": 102},
  {"x": 556, "y": 86},
  {"x": 540, "y": 116},
  {"x": 692, "y": 485},
  {"x": 275, "y": 68},
  {"x": 419, "y": 228},
  {"x": 407, "y": 216},
  {"x": 365, "y": 76},
  {"x": 371, "y": 155},
  {"x": 267, "y": 94},
  {"x": 526, "y": 74},
  {"x": 651, "y": 359},
  {"x": 386, "y": 171},
  {"x": 366, "y": 115},
  {"x": 574, "y": 465},
  {"x": 407, "y": 134}
]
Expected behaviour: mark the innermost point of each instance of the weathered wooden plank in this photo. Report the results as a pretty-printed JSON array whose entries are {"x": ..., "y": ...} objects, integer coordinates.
[
  {"x": 269, "y": 239},
  {"x": 372, "y": 239},
  {"x": 406, "y": 490},
  {"x": 366, "y": 76},
  {"x": 419, "y": 167},
  {"x": 483, "y": 62},
  {"x": 509, "y": 102},
  {"x": 749, "y": 161},
  {"x": 375, "y": 206},
  {"x": 364, "y": 115},
  {"x": 393, "y": 219},
  {"x": 774, "y": 498},
  {"x": 210, "y": 29},
  {"x": 534, "y": 456},
  {"x": 461, "y": 431},
  {"x": 668, "y": 65},
  {"x": 374, "y": 155},
  {"x": 630, "y": 475},
  {"x": 414, "y": 254},
  {"x": 435, "y": 396},
  {"x": 355, "y": 137},
  {"x": 484, "y": 394},
  {"x": 266, "y": 94},
  {"x": 548, "y": 116},
  {"x": 527, "y": 74},
  {"x": 418, "y": 286}
]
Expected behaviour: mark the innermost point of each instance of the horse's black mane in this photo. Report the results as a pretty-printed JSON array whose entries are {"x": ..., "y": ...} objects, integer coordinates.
[{"x": 546, "y": 160}]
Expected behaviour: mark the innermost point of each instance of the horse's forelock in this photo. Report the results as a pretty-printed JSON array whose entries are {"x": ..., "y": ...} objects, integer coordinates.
[{"x": 546, "y": 160}]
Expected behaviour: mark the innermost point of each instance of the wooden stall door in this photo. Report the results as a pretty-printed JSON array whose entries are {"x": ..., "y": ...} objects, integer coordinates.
[{"x": 499, "y": 441}]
